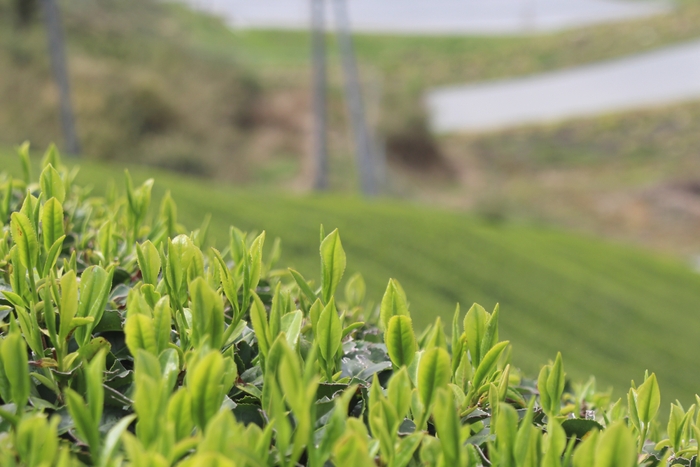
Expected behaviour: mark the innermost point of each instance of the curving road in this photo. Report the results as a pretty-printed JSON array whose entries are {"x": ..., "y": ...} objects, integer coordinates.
[{"x": 656, "y": 78}]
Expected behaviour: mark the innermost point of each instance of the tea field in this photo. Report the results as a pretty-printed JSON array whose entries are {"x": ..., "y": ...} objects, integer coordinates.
[{"x": 612, "y": 310}]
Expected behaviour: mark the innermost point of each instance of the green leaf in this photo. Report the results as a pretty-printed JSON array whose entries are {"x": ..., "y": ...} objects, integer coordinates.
[
  {"x": 95, "y": 285},
  {"x": 475, "y": 327},
  {"x": 52, "y": 256},
  {"x": 648, "y": 399},
  {"x": 616, "y": 448},
  {"x": 434, "y": 372},
  {"x": 291, "y": 326},
  {"x": 254, "y": 269},
  {"x": 82, "y": 418},
  {"x": 149, "y": 262},
  {"x": 332, "y": 264},
  {"x": 112, "y": 440},
  {"x": 95, "y": 392},
  {"x": 585, "y": 452},
  {"x": 140, "y": 334},
  {"x": 51, "y": 184},
  {"x": 399, "y": 392},
  {"x": 207, "y": 314},
  {"x": 329, "y": 331},
  {"x": 445, "y": 416},
  {"x": 303, "y": 285},
  {"x": 258, "y": 318},
  {"x": 555, "y": 384},
  {"x": 205, "y": 384},
  {"x": 180, "y": 413},
  {"x": 51, "y": 157},
  {"x": 490, "y": 333},
  {"x": 162, "y": 322},
  {"x": 69, "y": 303},
  {"x": 16, "y": 365},
  {"x": 52, "y": 223},
  {"x": 488, "y": 363},
  {"x": 407, "y": 447},
  {"x": 24, "y": 236},
  {"x": 393, "y": 303},
  {"x": 400, "y": 340}
]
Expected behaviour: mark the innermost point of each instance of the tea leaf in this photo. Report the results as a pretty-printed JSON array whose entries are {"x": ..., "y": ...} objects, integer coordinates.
[
  {"x": 52, "y": 223},
  {"x": 149, "y": 262},
  {"x": 16, "y": 368},
  {"x": 434, "y": 372},
  {"x": 332, "y": 264},
  {"x": 400, "y": 340},
  {"x": 51, "y": 184},
  {"x": 648, "y": 399},
  {"x": 393, "y": 303},
  {"x": 329, "y": 331},
  {"x": 24, "y": 236}
]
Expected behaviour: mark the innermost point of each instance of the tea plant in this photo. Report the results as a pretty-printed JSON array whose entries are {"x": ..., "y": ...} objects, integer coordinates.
[{"x": 125, "y": 340}]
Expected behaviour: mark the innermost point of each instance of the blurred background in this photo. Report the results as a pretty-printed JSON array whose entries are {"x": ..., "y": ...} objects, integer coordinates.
[{"x": 544, "y": 154}]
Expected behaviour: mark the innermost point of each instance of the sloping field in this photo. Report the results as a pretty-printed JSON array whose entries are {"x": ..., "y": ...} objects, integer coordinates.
[{"x": 611, "y": 310}]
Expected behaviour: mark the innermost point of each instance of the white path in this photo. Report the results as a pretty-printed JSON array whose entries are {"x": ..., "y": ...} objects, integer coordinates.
[
  {"x": 438, "y": 16},
  {"x": 657, "y": 78}
]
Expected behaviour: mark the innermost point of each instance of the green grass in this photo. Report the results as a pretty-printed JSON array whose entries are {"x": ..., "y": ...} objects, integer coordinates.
[{"x": 613, "y": 311}]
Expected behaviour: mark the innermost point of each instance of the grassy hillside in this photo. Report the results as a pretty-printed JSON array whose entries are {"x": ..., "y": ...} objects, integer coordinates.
[
  {"x": 613, "y": 311},
  {"x": 156, "y": 83}
]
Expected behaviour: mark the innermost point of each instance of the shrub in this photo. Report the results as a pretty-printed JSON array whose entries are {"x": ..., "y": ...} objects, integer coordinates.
[{"x": 126, "y": 341}]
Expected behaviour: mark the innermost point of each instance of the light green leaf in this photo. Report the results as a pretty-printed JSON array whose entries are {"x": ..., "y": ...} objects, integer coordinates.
[
  {"x": 52, "y": 223},
  {"x": 162, "y": 322},
  {"x": 24, "y": 236},
  {"x": 400, "y": 340},
  {"x": 140, "y": 334},
  {"x": 399, "y": 392},
  {"x": 445, "y": 416},
  {"x": 112, "y": 440},
  {"x": 303, "y": 285},
  {"x": 52, "y": 256},
  {"x": 51, "y": 184},
  {"x": 488, "y": 363},
  {"x": 180, "y": 413},
  {"x": 616, "y": 448},
  {"x": 475, "y": 327},
  {"x": 95, "y": 285},
  {"x": 207, "y": 314},
  {"x": 16, "y": 368},
  {"x": 95, "y": 392},
  {"x": 258, "y": 318},
  {"x": 82, "y": 418},
  {"x": 69, "y": 303},
  {"x": 434, "y": 372},
  {"x": 205, "y": 385},
  {"x": 149, "y": 262},
  {"x": 648, "y": 399},
  {"x": 329, "y": 331},
  {"x": 393, "y": 303},
  {"x": 332, "y": 264},
  {"x": 585, "y": 452},
  {"x": 291, "y": 326}
]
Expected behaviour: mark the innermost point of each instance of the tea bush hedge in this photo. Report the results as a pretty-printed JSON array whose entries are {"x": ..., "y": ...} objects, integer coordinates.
[{"x": 125, "y": 340}]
